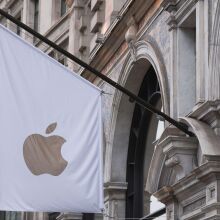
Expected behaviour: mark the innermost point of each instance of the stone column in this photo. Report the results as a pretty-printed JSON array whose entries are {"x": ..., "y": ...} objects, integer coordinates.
[
  {"x": 202, "y": 32},
  {"x": 28, "y": 19},
  {"x": 173, "y": 65},
  {"x": 115, "y": 196}
]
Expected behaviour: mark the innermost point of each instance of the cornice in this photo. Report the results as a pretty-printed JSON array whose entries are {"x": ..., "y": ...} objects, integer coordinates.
[
  {"x": 178, "y": 10},
  {"x": 206, "y": 172},
  {"x": 208, "y": 112},
  {"x": 186, "y": 8},
  {"x": 8, "y": 3},
  {"x": 55, "y": 28},
  {"x": 170, "y": 5}
]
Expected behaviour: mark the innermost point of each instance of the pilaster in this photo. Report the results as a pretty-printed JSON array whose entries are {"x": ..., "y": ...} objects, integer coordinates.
[
  {"x": 202, "y": 32},
  {"x": 28, "y": 19},
  {"x": 214, "y": 76},
  {"x": 74, "y": 33},
  {"x": 173, "y": 62}
]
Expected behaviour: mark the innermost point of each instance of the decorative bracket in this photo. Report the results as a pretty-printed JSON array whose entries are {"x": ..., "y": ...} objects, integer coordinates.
[{"x": 131, "y": 37}]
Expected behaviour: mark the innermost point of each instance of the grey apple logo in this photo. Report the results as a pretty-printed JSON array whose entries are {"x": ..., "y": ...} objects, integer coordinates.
[{"x": 43, "y": 154}]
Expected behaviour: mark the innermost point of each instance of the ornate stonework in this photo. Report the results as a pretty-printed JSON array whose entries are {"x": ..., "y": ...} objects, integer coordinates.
[
  {"x": 214, "y": 86},
  {"x": 69, "y": 3}
]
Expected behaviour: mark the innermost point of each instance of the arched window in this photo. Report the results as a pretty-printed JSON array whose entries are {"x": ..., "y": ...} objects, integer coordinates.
[{"x": 143, "y": 133}]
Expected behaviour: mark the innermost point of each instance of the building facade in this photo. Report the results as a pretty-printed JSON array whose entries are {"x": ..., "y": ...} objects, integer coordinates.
[{"x": 165, "y": 51}]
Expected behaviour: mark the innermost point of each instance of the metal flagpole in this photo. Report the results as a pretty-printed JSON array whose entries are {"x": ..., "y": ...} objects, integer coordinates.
[
  {"x": 137, "y": 99},
  {"x": 154, "y": 214}
]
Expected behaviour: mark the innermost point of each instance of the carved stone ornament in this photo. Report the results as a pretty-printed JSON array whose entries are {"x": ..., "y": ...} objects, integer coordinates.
[
  {"x": 181, "y": 155},
  {"x": 169, "y": 5},
  {"x": 171, "y": 21},
  {"x": 173, "y": 161},
  {"x": 69, "y": 3},
  {"x": 130, "y": 38}
]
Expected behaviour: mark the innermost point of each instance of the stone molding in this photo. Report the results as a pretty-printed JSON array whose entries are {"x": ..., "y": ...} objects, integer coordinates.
[
  {"x": 7, "y": 4},
  {"x": 195, "y": 196},
  {"x": 208, "y": 112},
  {"x": 178, "y": 10},
  {"x": 115, "y": 190},
  {"x": 149, "y": 49},
  {"x": 69, "y": 216},
  {"x": 170, "y": 5},
  {"x": 160, "y": 175},
  {"x": 57, "y": 33}
]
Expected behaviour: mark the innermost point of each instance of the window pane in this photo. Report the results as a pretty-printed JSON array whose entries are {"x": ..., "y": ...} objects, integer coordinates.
[
  {"x": 2, "y": 215},
  {"x": 53, "y": 215},
  {"x": 63, "y": 7},
  {"x": 12, "y": 216},
  {"x": 36, "y": 15}
]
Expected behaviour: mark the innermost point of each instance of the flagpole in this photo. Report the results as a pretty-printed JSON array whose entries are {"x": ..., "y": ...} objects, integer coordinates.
[{"x": 137, "y": 99}]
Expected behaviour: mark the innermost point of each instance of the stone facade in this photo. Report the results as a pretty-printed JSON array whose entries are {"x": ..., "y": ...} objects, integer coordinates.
[{"x": 167, "y": 52}]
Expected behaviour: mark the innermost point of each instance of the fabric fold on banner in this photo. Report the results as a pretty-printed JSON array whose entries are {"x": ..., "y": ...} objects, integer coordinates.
[{"x": 51, "y": 133}]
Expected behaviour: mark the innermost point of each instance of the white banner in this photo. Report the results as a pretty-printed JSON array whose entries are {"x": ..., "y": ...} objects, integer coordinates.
[{"x": 51, "y": 133}]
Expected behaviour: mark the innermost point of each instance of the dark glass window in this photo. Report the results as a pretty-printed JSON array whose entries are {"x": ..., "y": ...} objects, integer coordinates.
[
  {"x": 63, "y": 7},
  {"x": 53, "y": 215},
  {"x": 2, "y": 215},
  {"x": 18, "y": 29},
  {"x": 142, "y": 134},
  {"x": 36, "y": 15}
]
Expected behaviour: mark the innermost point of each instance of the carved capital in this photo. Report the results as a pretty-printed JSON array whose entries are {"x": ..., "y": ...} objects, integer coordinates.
[
  {"x": 131, "y": 37},
  {"x": 171, "y": 21}
]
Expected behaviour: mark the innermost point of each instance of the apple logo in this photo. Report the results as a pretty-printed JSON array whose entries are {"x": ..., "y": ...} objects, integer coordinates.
[{"x": 43, "y": 154}]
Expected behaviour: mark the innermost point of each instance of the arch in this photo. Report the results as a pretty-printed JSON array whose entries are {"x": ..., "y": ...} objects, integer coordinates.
[{"x": 148, "y": 54}]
